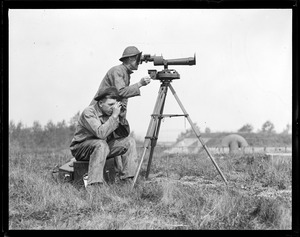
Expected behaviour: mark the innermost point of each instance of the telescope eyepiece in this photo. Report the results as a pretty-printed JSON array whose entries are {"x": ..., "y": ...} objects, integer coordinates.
[{"x": 146, "y": 58}]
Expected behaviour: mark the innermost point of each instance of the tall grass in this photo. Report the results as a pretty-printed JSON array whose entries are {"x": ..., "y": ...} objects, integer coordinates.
[{"x": 189, "y": 194}]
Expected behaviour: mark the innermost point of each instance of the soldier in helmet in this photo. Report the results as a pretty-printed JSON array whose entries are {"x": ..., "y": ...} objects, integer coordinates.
[{"x": 119, "y": 77}]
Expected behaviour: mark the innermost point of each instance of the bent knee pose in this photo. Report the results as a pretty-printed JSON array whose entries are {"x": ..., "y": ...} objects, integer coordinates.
[{"x": 102, "y": 133}]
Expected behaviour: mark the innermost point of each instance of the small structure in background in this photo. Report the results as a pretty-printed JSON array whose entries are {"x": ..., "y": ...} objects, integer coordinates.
[
  {"x": 187, "y": 145},
  {"x": 235, "y": 143}
]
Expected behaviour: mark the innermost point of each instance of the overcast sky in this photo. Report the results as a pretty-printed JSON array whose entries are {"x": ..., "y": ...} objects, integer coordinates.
[{"x": 243, "y": 71}]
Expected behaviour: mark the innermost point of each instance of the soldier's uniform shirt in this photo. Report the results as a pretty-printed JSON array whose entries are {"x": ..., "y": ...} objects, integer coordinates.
[
  {"x": 119, "y": 77},
  {"x": 93, "y": 124}
]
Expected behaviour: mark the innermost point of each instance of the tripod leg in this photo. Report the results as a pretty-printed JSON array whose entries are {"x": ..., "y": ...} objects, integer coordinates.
[
  {"x": 196, "y": 131},
  {"x": 152, "y": 128},
  {"x": 139, "y": 167},
  {"x": 154, "y": 140}
]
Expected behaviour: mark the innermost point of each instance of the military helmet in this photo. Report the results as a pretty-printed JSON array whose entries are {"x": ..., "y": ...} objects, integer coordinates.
[{"x": 130, "y": 51}]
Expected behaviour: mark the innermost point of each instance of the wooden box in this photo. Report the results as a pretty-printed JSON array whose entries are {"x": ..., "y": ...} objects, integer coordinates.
[
  {"x": 73, "y": 171},
  {"x": 66, "y": 172},
  {"x": 81, "y": 168}
]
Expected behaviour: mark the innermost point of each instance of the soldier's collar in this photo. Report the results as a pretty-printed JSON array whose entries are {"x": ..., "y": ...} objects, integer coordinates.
[
  {"x": 98, "y": 110},
  {"x": 127, "y": 68}
]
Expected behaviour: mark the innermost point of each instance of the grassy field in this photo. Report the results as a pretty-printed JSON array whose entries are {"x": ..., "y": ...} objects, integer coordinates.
[{"x": 187, "y": 193}]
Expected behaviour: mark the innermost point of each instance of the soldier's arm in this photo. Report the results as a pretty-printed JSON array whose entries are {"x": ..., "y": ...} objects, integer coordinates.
[
  {"x": 124, "y": 91},
  {"x": 91, "y": 122}
]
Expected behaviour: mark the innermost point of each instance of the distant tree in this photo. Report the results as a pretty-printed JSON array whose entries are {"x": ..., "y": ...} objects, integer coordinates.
[
  {"x": 37, "y": 133},
  {"x": 12, "y": 127},
  {"x": 268, "y": 127},
  {"x": 12, "y": 131},
  {"x": 188, "y": 133},
  {"x": 62, "y": 134},
  {"x": 61, "y": 125},
  {"x": 207, "y": 130},
  {"x": 36, "y": 126},
  {"x": 247, "y": 128},
  {"x": 22, "y": 134},
  {"x": 287, "y": 129},
  {"x": 20, "y": 126},
  {"x": 18, "y": 134},
  {"x": 50, "y": 134},
  {"x": 73, "y": 122},
  {"x": 50, "y": 126}
]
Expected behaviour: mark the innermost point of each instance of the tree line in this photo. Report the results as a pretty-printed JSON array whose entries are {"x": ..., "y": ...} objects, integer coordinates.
[
  {"x": 59, "y": 135},
  {"x": 51, "y": 135}
]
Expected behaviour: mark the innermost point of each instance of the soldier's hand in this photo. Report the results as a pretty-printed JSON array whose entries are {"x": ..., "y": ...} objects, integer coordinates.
[
  {"x": 144, "y": 81},
  {"x": 123, "y": 110},
  {"x": 116, "y": 109}
]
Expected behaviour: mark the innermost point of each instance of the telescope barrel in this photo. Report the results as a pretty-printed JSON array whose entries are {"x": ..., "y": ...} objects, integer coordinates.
[
  {"x": 159, "y": 60},
  {"x": 181, "y": 61}
]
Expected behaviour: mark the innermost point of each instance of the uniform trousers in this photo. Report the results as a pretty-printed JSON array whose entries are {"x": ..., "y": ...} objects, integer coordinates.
[{"x": 96, "y": 151}]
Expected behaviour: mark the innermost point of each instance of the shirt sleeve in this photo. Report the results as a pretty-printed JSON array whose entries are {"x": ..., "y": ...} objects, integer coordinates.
[
  {"x": 100, "y": 130},
  {"x": 119, "y": 82}
]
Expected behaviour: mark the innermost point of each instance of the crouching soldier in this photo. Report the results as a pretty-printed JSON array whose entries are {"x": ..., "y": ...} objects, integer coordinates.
[{"x": 102, "y": 133}]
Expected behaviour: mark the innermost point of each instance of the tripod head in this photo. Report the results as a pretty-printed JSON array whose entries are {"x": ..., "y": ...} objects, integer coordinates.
[{"x": 166, "y": 74}]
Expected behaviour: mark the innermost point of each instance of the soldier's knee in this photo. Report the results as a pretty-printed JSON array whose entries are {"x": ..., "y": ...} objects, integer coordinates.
[
  {"x": 101, "y": 145},
  {"x": 131, "y": 142}
]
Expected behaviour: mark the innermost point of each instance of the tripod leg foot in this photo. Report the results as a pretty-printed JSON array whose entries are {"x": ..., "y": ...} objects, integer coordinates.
[{"x": 138, "y": 168}]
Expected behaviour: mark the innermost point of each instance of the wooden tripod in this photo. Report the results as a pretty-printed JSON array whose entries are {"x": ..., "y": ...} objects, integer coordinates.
[{"x": 154, "y": 126}]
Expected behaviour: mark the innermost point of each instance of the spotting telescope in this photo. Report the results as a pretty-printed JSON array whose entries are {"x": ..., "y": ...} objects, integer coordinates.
[{"x": 166, "y": 74}]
